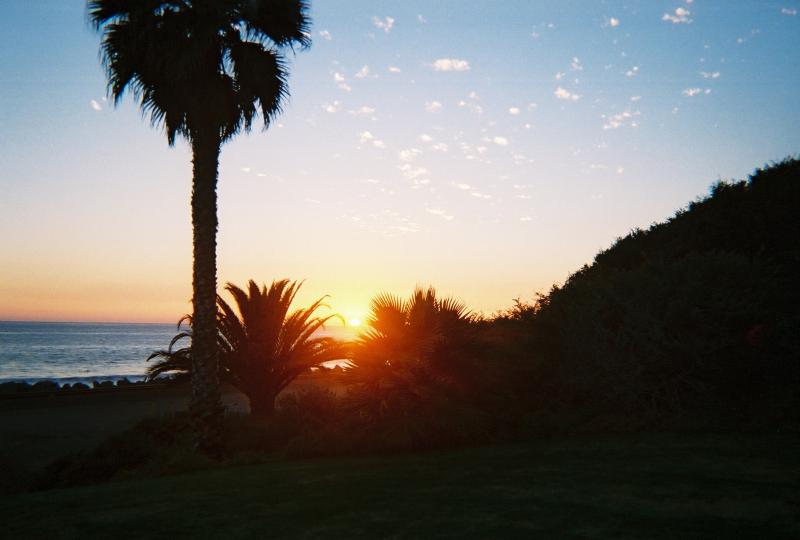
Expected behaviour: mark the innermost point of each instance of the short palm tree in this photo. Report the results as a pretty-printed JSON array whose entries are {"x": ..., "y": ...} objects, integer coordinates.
[
  {"x": 264, "y": 347},
  {"x": 204, "y": 69},
  {"x": 412, "y": 351}
]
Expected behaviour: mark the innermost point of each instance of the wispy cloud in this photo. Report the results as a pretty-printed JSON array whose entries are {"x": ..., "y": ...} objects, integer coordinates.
[
  {"x": 324, "y": 34},
  {"x": 450, "y": 64},
  {"x": 363, "y": 73},
  {"x": 632, "y": 72},
  {"x": 421, "y": 19},
  {"x": 95, "y": 105},
  {"x": 500, "y": 141},
  {"x": 384, "y": 24},
  {"x": 393, "y": 69},
  {"x": 332, "y": 107},
  {"x": 710, "y": 75},
  {"x": 425, "y": 137},
  {"x": 433, "y": 106},
  {"x": 364, "y": 110},
  {"x": 563, "y": 93},
  {"x": 681, "y": 16},
  {"x": 439, "y": 212},
  {"x": 625, "y": 118},
  {"x": 409, "y": 154},
  {"x": 691, "y": 92},
  {"x": 417, "y": 175},
  {"x": 791, "y": 12},
  {"x": 365, "y": 136},
  {"x": 340, "y": 82},
  {"x": 613, "y": 22},
  {"x": 513, "y": 110}
]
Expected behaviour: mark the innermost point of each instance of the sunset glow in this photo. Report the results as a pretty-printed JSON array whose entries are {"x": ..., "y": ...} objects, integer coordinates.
[
  {"x": 487, "y": 150},
  {"x": 354, "y": 321}
]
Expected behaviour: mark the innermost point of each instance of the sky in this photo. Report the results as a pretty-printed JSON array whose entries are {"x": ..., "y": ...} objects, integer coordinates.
[{"x": 486, "y": 148}]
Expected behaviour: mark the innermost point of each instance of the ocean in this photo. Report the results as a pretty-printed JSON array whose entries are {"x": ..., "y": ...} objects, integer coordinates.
[
  {"x": 73, "y": 352},
  {"x": 82, "y": 352}
]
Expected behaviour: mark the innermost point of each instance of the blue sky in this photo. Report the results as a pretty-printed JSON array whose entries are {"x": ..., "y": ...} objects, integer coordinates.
[{"x": 487, "y": 148}]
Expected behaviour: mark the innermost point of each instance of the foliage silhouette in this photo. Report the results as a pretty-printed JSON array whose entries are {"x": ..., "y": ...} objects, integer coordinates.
[
  {"x": 263, "y": 348},
  {"x": 204, "y": 69},
  {"x": 694, "y": 319},
  {"x": 412, "y": 371}
]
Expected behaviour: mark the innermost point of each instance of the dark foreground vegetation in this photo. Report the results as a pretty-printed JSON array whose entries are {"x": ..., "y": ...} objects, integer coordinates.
[
  {"x": 623, "y": 486},
  {"x": 654, "y": 394},
  {"x": 689, "y": 326}
]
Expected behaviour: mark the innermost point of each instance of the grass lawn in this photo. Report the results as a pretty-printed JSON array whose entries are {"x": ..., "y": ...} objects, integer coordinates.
[{"x": 632, "y": 486}]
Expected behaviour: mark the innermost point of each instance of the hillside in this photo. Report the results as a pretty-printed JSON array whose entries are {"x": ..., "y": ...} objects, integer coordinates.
[{"x": 694, "y": 318}]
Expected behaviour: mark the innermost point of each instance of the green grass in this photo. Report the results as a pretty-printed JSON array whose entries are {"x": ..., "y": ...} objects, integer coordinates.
[{"x": 653, "y": 486}]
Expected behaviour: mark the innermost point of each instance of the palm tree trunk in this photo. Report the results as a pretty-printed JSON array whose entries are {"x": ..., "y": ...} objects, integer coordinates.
[
  {"x": 206, "y": 407},
  {"x": 262, "y": 404}
]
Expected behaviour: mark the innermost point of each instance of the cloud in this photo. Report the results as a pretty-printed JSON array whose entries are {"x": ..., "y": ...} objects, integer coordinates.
[
  {"x": 414, "y": 173},
  {"x": 575, "y": 65},
  {"x": 625, "y": 118},
  {"x": 439, "y": 212},
  {"x": 691, "y": 92},
  {"x": 433, "y": 106},
  {"x": 364, "y": 110},
  {"x": 450, "y": 64},
  {"x": 340, "y": 82},
  {"x": 425, "y": 137},
  {"x": 394, "y": 69},
  {"x": 365, "y": 136},
  {"x": 409, "y": 154},
  {"x": 363, "y": 72},
  {"x": 711, "y": 75},
  {"x": 386, "y": 24},
  {"x": 472, "y": 107},
  {"x": 791, "y": 12},
  {"x": 632, "y": 72},
  {"x": 500, "y": 141},
  {"x": 440, "y": 147},
  {"x": 563, "y": 93},
  {"x": 613, "y": 22},
  {"x": 681, "y": 16},
  {"x": 526, "y": 218},
  {"x": 324, "y": 34},
  {"x": 421, "y": 19},
  {"x": 513, "y": 110},
  {"x": 332, "y": 107},
  {"x": 95, "y": 105},
  {"x": 559, "y": 75},
  {"x": 377, "y": 143},
  {"x": 465, "y": 187}
]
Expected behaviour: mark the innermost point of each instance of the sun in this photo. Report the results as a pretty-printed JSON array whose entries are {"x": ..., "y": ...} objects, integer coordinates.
[{"x": 354, "y": 321}]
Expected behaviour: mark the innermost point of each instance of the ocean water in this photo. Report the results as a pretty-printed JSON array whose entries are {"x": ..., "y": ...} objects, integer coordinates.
[
  {"x": 85, "y": 352},
  {"x": 71, "y": 352}
]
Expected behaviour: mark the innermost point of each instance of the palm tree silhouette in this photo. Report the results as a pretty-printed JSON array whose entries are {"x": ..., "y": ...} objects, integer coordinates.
[
  {"x": 263, "y": 348},
  {"x": 412, "y": 351},
  {"x": 204, "y": 69}
]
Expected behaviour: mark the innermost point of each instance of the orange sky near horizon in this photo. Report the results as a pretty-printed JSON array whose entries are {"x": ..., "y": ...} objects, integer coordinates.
[{"x": 488, "y": 150}]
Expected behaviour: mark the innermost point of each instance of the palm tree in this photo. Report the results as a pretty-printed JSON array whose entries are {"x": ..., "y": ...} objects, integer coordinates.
[
  {"x": 412, "y": 351},
  {"x": 263, "y": 348},
  {"x": 204, "y": 69}
]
